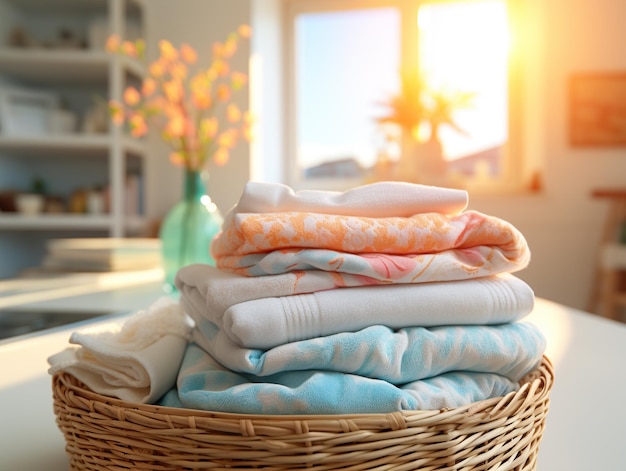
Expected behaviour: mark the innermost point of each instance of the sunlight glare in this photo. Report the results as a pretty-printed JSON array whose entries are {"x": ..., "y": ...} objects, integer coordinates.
[
  {"x": 465, "y": 58},
  {"x": 464, "y": 46}
]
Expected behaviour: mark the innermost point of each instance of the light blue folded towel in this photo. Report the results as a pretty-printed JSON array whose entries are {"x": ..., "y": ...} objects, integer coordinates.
[
  {"x": 205, "y": 384},
  {"x": 378, "y": 352}
]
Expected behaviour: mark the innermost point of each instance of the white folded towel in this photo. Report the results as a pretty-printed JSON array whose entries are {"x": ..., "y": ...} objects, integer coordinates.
[
  {"x": 139, "y": 362},
  {"x": 379, "y": 199},
  {"x": 269, "y": 321},
  {"x": 210, "y": 289}
]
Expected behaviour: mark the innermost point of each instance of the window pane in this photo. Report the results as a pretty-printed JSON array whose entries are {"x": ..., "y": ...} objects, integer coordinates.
[
  {"x": 464, "y": 47},
  {"x": 347, "y": 63}
]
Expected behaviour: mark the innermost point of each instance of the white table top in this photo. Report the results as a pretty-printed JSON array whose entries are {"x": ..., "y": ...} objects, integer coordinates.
[{"x": 584, "y": 429}]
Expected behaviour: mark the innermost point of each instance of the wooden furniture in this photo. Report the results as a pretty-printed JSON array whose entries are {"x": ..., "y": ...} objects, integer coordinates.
[
  {"x": 609, "y": 284},
  {"x": 56, "y": 48}
]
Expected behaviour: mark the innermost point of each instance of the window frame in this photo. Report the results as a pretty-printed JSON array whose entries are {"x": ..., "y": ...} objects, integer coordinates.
[{"x": 512, "y": 167}]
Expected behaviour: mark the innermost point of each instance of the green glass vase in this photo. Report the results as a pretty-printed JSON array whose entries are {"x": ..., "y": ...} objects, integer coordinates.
[{"x": 188, "y": 229}]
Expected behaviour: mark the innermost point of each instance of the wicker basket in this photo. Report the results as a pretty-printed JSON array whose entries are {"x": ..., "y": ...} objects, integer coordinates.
[{"x": 103, "y": 433}]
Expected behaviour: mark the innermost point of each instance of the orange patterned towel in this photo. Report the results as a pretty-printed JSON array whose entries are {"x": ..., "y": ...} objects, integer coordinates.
[
  {"x": 470, "y": 244},
  {"x": 419, "y": 234}
]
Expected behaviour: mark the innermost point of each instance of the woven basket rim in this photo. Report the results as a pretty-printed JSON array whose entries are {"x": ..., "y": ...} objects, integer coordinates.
[
  {"x": 535, "y": 385},
  {"x": 502, "y": 433}
]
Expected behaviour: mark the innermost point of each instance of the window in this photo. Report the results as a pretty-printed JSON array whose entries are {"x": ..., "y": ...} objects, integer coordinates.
[
  {"x": 346, "y": 61},
  {"x": 415, "y": 90}
]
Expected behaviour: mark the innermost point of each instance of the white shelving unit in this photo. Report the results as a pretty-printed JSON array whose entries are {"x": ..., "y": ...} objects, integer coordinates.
[
  {"x": 72, "y": 222},
  {"x": 42, "y": 68},
  {"x": 87, "y": 67},
  {"x": 58, "y": 145},
  {"x": 68, "y": 69}
]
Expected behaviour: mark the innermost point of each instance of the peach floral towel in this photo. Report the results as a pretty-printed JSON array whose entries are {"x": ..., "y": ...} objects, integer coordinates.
[{"x": 428, "y": 246}]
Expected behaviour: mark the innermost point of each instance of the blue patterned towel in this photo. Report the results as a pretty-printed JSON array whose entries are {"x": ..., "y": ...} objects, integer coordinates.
[
  {"x": 205, "y": 384},
  {"x": 378, "y": 352}
]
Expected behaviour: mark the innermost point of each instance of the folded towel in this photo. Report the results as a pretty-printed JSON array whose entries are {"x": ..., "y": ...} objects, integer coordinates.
[
  {"x": 206, "y": 288},
  {"x": 138, "y": 362},
  {"x": 485, "y": 237},
  {"x": 378, "y": 352},
  {"x": 419, "y": 234},
  {"x": 209, "y": 288},
  {"x": 365, "y": 269},
  {"x": 266, "y": 322},
  {"x": 214, "y": 290},
  {"x": 205, "y": 384},
  {"x": 380, "y": 199}
]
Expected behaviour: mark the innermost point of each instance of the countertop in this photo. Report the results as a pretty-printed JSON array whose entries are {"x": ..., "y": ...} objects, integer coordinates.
[{"x": 584, "y": 429}]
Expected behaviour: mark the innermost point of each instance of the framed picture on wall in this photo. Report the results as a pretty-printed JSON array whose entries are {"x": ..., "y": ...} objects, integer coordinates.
[{"x": 598, "y": 109}]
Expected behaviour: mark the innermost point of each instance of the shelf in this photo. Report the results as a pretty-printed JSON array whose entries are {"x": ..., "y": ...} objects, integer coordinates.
[
  {"x": 63, "y": 67},
  {"x": 64, "y": 145},
  {"x": 74, "y": 76},
  {"x": 49, "y": 222},
  {"x": 46, "y": 5},
  {"x": 89, "y": 6}
]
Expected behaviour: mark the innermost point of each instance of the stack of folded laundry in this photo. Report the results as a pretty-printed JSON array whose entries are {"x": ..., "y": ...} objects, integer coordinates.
[{"x": 390, "y": 296}]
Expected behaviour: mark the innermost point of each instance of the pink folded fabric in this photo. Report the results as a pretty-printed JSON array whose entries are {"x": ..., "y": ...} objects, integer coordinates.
[{"x": 350, "y": 269}]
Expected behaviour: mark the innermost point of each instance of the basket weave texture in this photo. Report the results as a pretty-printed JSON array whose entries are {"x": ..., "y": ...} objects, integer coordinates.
[{"x": 104, "y": 433}]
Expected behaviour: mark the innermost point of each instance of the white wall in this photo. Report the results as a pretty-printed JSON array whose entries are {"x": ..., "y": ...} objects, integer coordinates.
[
  {"x": 199, "y": 23},
  {"x": 562, "y": 223}
]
